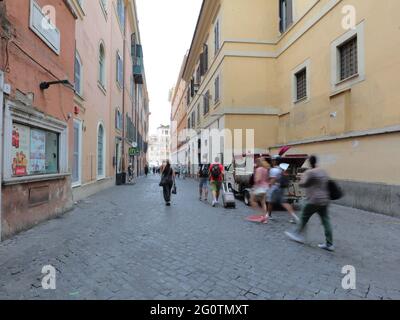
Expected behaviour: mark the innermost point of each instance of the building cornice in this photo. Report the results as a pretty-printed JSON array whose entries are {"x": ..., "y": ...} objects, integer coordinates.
[
  {"x": 71, "y": 7},
  {"x": 207, "y": 12}
]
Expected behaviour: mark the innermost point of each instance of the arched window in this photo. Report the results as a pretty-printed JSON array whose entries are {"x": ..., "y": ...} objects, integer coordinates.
[
  {"x": 118, "y": 119},
  {"x": 78, "y": 75},
  {"x": 121, "y": 12},
  {"x": 102, "y": 65},
  {"x": 100, "y": 152}
]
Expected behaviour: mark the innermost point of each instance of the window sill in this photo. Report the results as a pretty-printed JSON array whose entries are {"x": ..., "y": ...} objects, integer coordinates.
[
  {"x": 79, "y": 96},
  {"x": 119, "y": 86},
  {"x": 302, "y": 100},
  {"x": 101, "y": 87},
  {"x": 346, "y": 84},
  {"x": 104, "y": 10},
  {"x": 354, "y": 76},
  {"x": 38, "y": 178},
  {"x": 76, "y": 185}
]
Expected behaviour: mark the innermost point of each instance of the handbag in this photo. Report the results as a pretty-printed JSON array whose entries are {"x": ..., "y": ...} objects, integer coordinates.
[
  {"x": 335, "y": 192},
  {"x": 174, "y": 189}
]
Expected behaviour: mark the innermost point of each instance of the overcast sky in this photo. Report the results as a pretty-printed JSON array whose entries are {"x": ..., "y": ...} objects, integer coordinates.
[{"x": 166, "y": 31}]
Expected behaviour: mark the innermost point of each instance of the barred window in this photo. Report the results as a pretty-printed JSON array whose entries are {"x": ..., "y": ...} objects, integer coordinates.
[
  {"x": 301, "y": 84},
  {"x": 348, "y": 59}
]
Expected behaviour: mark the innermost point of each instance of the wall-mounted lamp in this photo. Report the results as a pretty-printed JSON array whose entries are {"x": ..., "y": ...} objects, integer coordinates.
[{"x": 46, "y": 85}]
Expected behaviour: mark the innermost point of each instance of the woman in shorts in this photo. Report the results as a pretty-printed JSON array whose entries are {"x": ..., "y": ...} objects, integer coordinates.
[{"x": 260, "y": 188}]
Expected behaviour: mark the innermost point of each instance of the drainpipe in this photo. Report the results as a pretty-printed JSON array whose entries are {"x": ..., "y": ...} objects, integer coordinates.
[{"x": 1, "y": 145}]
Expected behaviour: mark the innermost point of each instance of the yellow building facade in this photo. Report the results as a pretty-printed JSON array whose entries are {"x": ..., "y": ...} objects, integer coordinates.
[{"x": 317, "y": 75}]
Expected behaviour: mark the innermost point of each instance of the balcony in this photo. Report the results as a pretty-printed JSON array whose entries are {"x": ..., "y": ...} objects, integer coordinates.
[{"x": 138, "y": 65}]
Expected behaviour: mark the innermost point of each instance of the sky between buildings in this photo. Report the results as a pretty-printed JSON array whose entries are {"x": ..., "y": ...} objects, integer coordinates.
[{"x": 166, "y": 31}]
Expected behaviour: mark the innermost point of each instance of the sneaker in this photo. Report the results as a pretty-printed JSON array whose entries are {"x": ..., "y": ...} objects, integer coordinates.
[
  {"x": 168, "y": 204},
  {"x": 214, "y": 203},
  {"x": 324, "y": 246},
  {"x": 295, "y": 237},
  {"x": 295, "y": 220},
  {"x": 264, "y": 220}
]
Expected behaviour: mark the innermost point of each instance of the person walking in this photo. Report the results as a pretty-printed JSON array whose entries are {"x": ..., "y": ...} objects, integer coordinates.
[
  {"x": 276, "y": 192},
  {"x": 216, "y": 172},
  {"x": 315, "y": 181},
  {"x": 178, "y": 171},
  {"x": 167, "y": 181},
  {"x": 203, "y": 175},
  {"x": 146, "y": 169},
  {"x": 260, "y": 187}
]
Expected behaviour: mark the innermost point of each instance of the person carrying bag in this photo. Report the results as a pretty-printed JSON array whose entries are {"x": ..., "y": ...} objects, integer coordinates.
[{"x": 167, "y": 182}]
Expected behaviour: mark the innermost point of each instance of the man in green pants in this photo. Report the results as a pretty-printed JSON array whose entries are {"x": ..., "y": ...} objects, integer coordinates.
[{"x": 315, "y": 181}]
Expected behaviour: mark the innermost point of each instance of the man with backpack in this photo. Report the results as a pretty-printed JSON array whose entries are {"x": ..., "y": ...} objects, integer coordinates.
[
  {"x": 279, "y": 182},
  {"x": 316, "y": 181},
  {"x": 216, "y": 172},
  {"x": 203, "y": 175}
]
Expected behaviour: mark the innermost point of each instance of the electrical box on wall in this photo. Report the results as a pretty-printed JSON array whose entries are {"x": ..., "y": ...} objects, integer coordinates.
[{"x": 7, "y": 88}]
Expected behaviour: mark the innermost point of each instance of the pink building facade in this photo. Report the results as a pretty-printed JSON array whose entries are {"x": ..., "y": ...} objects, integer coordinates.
[{"x": 109, "y": 97}]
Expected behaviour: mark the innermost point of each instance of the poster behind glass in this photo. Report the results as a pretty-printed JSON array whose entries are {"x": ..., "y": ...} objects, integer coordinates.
[
  {"x": 51, "y": 152},
  {"x": 37, "y": 163},
  {"x": 20, "y": 150}
]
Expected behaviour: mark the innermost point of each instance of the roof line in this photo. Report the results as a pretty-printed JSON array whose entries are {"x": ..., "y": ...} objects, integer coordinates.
[{"x": 194, "y": 35}]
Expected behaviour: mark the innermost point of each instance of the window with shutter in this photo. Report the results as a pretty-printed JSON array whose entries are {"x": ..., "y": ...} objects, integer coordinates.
[
  {"x": 202, "y": 72},
  {"x": 119, "y": 70},
  {"x": 198, "y": 76},
  {"x": 285, "y": 14},
  {"x": 216, "y": 86},
  {"x": 192, "y": 87},
  {"x": 193, "y": 120},
  {"x": 188, "y": 97},
  {"x": 78, "y": 74},
  {"x": 216, "y": 38},
  {"x": 206, "y": 103},
  {"x": 205, "y": 58}
]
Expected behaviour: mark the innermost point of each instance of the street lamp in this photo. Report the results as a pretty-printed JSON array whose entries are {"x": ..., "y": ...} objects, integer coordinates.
[{"x": 45, "y": 85}]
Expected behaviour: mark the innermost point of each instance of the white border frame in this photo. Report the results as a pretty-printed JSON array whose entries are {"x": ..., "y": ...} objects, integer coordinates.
[
  {"x": 54, "y": 47},
  {"x": 340, "y": 85},
  {"x": 1, "y": 145},
  {"x": 81, "y": 87},
  {"x": 305, "y": 65},
  {"x": 103, "y": 176},
  {"x": 28, "y": 116},
  {"x": 79, "y": 182}
]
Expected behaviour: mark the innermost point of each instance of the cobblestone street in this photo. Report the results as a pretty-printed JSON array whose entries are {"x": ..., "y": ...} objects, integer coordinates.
[{"x": 124, "y": 243}]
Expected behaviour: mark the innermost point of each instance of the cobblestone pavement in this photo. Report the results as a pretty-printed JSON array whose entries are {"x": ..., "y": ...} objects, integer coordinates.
[{"x": 124, "y": 243}]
